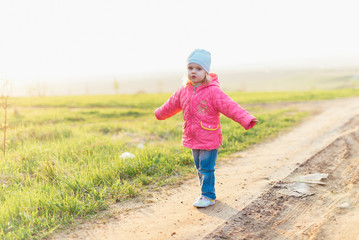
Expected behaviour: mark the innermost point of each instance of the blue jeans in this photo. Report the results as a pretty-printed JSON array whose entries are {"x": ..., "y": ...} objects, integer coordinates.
[{"x": 205, "y": 160}]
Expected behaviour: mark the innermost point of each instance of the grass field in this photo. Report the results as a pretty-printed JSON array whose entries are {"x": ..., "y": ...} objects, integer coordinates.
[{"x": 63, "y": 153}]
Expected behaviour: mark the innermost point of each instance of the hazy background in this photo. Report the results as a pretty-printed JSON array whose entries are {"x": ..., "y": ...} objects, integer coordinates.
[{"x": 61, "y": 47}]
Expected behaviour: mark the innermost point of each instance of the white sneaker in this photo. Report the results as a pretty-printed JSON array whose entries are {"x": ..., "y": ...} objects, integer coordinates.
[
  {"x": 198, "y": 198},
  {"x": 203, "y": 202}
]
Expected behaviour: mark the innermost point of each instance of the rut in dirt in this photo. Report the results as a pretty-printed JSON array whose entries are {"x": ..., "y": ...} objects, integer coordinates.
[{"x": 279, "y": 215}]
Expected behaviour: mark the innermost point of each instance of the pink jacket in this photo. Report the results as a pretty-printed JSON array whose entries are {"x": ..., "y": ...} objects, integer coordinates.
[{"x": 201, "y": 108}]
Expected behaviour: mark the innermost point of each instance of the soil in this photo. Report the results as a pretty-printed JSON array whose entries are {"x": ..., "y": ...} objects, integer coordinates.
[{"x": 256, "y": 190}]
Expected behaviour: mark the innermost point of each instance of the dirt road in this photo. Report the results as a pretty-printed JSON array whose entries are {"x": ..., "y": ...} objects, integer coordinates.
[{"x": 257, "y": 190}]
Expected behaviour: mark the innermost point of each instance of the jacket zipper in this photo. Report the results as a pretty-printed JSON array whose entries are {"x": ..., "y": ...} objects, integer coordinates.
[{"x": 192, "y": 133}]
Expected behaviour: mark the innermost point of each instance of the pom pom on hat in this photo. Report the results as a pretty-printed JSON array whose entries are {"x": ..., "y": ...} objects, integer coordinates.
[{"x": 200, "y": 57}]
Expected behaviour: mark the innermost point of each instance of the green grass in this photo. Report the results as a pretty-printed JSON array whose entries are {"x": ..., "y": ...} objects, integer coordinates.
[
  {"x": 146, "y": 101},
  {"x": 63, "y": 157}
]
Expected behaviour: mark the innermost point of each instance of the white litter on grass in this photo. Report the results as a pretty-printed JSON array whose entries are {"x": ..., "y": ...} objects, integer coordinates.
[
  {"x": 127, "y": 155},
  {"x": 140, "y": 146},
  {"x": 313, "y": 178}
]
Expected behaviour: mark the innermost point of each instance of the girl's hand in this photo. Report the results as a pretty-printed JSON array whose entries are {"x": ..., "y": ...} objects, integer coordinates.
[{"x": 252, "y": 123}]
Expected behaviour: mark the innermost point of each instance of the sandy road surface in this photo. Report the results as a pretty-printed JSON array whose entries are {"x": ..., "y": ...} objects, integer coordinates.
[{"x": 249, "y": 190}]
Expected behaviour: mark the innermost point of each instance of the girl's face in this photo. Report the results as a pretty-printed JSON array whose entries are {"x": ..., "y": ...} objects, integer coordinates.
[{"x": 196, "y": 74}]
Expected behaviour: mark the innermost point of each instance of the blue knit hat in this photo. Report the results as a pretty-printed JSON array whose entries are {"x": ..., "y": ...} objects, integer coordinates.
[{"x": 201, "y": 57}]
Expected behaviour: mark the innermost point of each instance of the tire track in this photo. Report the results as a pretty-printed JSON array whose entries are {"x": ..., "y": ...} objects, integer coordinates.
[{"x": 275, "y": 215}]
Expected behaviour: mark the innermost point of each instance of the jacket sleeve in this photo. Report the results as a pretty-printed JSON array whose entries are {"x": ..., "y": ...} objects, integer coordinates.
[
  {"x": 169, "y": 108},
  {"x": 225, "y": 105}
]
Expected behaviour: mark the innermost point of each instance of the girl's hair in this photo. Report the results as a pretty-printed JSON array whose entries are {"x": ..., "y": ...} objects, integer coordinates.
[{"x": 207, "y": 79}]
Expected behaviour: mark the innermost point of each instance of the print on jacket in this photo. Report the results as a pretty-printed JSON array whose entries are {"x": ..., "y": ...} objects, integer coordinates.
[{"x": 202, "y": 108}]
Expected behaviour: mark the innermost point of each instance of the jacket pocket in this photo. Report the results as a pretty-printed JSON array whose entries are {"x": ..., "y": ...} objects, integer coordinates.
[{"x": 209, "y": 126}]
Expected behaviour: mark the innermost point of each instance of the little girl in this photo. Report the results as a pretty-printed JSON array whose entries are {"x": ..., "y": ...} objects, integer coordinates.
[{"x": 202, "y": 101}]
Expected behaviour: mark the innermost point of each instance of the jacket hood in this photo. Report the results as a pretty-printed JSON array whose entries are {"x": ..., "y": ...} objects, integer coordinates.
[{"x": 214, "y": 80}]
